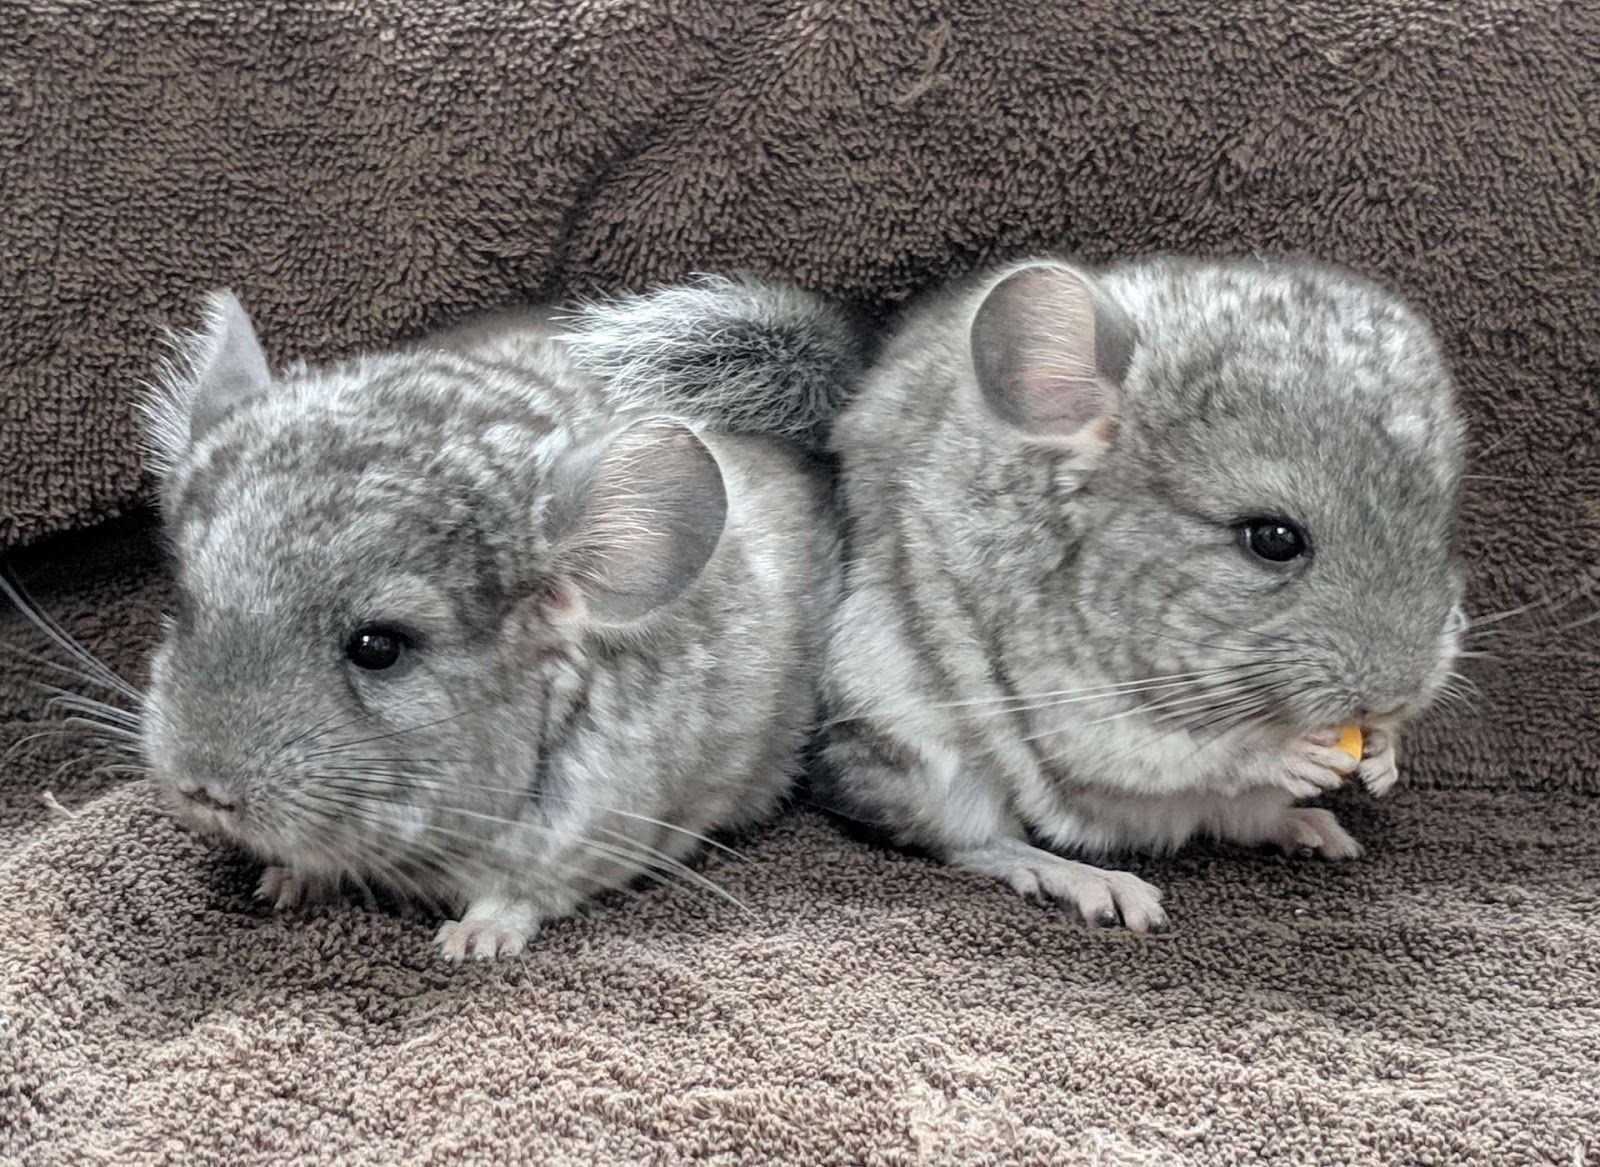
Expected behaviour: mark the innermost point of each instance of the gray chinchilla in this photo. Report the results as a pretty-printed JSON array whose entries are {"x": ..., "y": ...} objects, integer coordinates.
[
  {"x": 462, "y": 621},
  {"x": 1126, "y": 548}
]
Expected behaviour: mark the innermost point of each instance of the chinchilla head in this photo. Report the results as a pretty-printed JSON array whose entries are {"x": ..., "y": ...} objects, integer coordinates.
[
  {"x": 1258, "y": 466},
  {"x": 380, "y": 567}
]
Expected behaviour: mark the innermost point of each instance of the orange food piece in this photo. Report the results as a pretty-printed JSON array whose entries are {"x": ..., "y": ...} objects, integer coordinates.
[{"x": 1350, "y": 741}]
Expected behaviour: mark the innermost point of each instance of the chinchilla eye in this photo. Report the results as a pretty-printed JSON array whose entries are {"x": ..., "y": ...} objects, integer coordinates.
[
  {"x": 1274, "y": 539},
  {"x": 375, "y": 648}
]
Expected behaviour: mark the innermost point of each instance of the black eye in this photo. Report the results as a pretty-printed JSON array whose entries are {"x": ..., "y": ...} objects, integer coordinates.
[
  {"x": 375, "y": 648},
  {"x": 1273, "y": 539}
]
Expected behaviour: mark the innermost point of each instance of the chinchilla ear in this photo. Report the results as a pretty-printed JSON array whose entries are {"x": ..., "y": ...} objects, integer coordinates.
[
  {"x": 1050, "y": 351},
  {"x": 211, "y": 371},
  {"x": 635, "y": 520}
]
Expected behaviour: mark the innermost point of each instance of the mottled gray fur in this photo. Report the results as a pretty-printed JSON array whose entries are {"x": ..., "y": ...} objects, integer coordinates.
[
  {"x": 612, "y": 620},
  {"x": 749, "y": 356},
  {"x": 1052, "y": 631}
]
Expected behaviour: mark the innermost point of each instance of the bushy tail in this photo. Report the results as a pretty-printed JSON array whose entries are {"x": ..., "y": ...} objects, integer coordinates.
[{"x": 744, "y": 355}]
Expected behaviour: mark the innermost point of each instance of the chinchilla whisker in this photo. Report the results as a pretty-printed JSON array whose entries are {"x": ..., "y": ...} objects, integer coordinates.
[
  {"x": 89, "y": 708},
  {"x": 400, "y": 780},
  {"x": 1234, "y": 713},
  {"x": 1234, "y": 716},
  {"x": 1172, "y": 688},
  {"x": 98, "y": 735},
  {"x": 390, "y": 791},
  {"x": 1453, "y": 709},
  {"x": 644, "y": 818},
  {"x": 406, "y": 884},
  {"x": 1245, "y": 681},
  {"x": 675, "y": 874},
  {"x": 1581, "y": 622},
  {"x": 381, "y": 762},
  {"x": 1157, "y": 736},
  {"x": 1013, "y": 705},
  {"x": 1501, "y": 655},
  {"x": 674, "y": 864},
  {"x": 1200, "y": 703},
  {"x": 317, "y": 731},
  {"x": 70, "y": 763},
  {"x": 1237, "y": 681},
  {"x": 116, "y": 769},
  {"x": 1459, "y": 692},
  {"x": 636, "y": 861},
  {"x": 394, "y": 733},
  {"x": 63, "y": 730},
  {"x": 1092, "y": 690},
  {"x": 365, "y": 781},
  {"x": 1506, "y": 436},
  {"x": 429, "y": 855},
  {"x": 21, "y": 743},
  {"x": 78, "y": 721},
  {"x": 1218, "y": 719},
  {"x": 369, "y": 858},
  {"x": 1253, "y": 650},
  {"x": 1178, "y": 700},
  {"x": 610, "y": 850},
  {"x": 1478, "y": 635},
  {"x": 104, "y": 675},
  {"x": 411, "y": 767},
  {"x": 1067, "y": 752},
  {"x": 340, "y": 747},
  {"x": 435, "y": 863},
  {"x": 44, "y": 662},
  {"x": 1274, "y": 637},
  {"x": 92, "y": 709},
  {"x": 385, "y": 779},
  {"x": 367, "y": 896},
  {"x": 1259, "y": 673},
  {"x": 997, "y": 707},
  {"x": 1551, "y": 603}
]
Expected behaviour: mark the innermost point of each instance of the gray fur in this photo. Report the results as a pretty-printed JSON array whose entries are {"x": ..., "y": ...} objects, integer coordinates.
[
  {"x": 1051, "y": 629},
  {"x": 617, "y": 621},
  {"x": 745, "y": 355}
]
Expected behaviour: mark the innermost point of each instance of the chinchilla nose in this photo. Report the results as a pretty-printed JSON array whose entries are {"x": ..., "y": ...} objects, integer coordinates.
[
  {"x": 1368, "y": 714},
  {"x": 1389, "y": 694},
  {"x": 1388, "y": 670},
  {"x": 212, "y": 795}
]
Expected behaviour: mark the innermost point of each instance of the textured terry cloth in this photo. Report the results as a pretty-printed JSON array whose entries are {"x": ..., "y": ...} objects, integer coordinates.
[
  {"x": 361, "y": 171},
  {"x": 1435, "y": 1003}
]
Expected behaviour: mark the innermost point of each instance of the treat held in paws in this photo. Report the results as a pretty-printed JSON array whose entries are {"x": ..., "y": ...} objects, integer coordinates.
[{"x": 1350, "y": 741}]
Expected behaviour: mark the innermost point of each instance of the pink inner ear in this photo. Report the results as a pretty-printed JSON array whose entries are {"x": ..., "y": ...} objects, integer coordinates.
[
  {"x": 1063, "y": 405},
  {"x": 1035, "y": 350}
]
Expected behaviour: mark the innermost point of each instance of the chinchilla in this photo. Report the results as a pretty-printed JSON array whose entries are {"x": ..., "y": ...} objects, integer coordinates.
[
  {"x": 483, "y": 620},
  {"x": 1127, "y": 548}
]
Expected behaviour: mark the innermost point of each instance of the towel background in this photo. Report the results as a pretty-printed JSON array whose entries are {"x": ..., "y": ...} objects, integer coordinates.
[{"x": 364, "y": 170}]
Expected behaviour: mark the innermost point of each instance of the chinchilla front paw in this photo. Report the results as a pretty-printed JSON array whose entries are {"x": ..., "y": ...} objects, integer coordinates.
[
  {"x": 1379, "y": 765},
  {"x": 1311, "y": 766},
  {"x": 491, "y": 929},
  {"x": 282, "y": 889}
]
